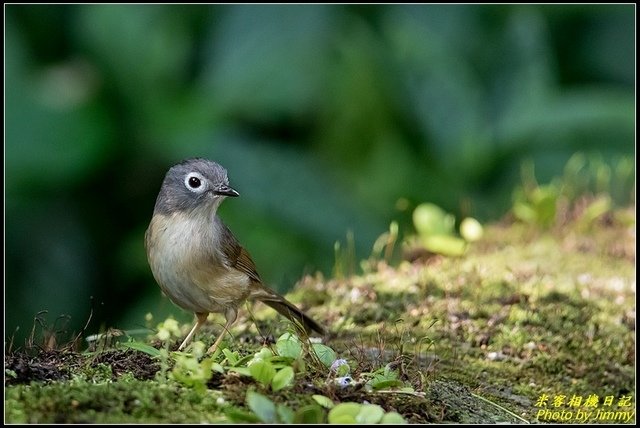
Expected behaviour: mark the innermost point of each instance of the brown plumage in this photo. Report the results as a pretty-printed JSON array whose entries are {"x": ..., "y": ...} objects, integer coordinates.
[{"x": 195, "y": 258}]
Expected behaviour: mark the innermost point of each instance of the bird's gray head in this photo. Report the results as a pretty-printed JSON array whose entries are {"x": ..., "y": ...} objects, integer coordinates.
[{"x": 193, "y": 183}]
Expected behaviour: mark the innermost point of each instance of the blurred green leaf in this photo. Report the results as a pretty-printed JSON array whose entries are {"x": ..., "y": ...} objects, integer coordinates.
[
  {"x": 262, "y": 371},
  {"x": 282, "y": 379},
  {"x": 393, "y": 418},
  {"x": 471, "y": 229},
  {"x": 325, "y": 402},
  {"x": 285, "y": 414},
  {"x": 142, "y": 347},
  {"x": 370, "y": 414},
  {"x": 236, "y": 414},
  {"x": 289, "y": 346},
  {"x": 324, "y": 353},
  {"x": 310, "y": 414},
  {"x": 262, "y": 406},
  {"x": 429, "y": 219},
  {"x": 344, "y": 413}
]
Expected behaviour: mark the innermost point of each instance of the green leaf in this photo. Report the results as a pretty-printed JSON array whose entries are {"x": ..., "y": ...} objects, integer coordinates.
[
  {"x": 142, "y": 347},
  {"x": 239, "y": 415},
  {"x": 262, "y": 406},
  {"x": 243, "y": 361},
  {"x": 262, "y": 371},
  {"x": 340, "y": 367},
  {"x": 386, "y": 383},
  {"x": 370, "y": 414},
  {"x": 241, "y": 370},
  {"x": 343, "y": 370},
  {"x": 445, "y": 244},
  {"x": 289, "y": 346},
  {"x": 282, "y": 378},
  {"x": 279, "y": 361},
  {"x": 311, "y": 414},
  {"x": 385, "y": 378},
  {"x": 344, "y": 413},
  {"x": 264, "y": 353},
  {"x": 471, "y": 229},
  {"x": 393, "y": 418},
  {"x": 192, "y": 373},
  {"x": 524, "y": 212},
  {"x": 285, "y": 414},
  {"x": 232, "y": 357},
  {"x": 325, "y": 354},
  {"x": 597, "y": 208},
  {"x": 430, "y": 219},
  {"x": 325, "y": 402}
]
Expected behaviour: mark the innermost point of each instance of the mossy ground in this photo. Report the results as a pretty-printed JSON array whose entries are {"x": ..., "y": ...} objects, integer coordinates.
[{"x": 524, "y": 314}]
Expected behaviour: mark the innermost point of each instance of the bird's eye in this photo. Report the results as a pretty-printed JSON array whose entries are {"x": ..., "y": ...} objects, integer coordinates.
[{"x": 195, "y": 182}]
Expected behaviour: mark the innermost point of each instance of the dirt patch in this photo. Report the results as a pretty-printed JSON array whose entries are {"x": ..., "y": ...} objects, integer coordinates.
[
  {"x": 139, "y": 364},
  {"x": 49, "y": 366}
]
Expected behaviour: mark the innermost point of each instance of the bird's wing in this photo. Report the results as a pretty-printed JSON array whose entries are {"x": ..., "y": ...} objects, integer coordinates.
[{"x": 237, "y": 256}]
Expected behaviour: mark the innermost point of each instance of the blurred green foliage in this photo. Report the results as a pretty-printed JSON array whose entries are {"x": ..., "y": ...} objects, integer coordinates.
[
  {"x": 328, "y": 118},
  {"x": 549, "y": 204}
]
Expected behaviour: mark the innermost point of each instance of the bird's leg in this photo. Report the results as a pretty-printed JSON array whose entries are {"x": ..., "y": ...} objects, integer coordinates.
[
  {"x": 231, "y": 316},
  {"x": 202, "y": 318}
]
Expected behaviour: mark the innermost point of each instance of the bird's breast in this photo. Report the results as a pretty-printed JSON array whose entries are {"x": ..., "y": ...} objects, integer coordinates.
[{"x": 185, "y": 261}]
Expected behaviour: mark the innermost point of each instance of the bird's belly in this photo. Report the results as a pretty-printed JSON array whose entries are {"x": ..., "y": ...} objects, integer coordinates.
[{"x": 188, "y": 271}]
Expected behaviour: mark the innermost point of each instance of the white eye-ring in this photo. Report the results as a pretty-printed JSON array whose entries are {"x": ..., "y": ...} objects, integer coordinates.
[{"x": 195, "y": 182}]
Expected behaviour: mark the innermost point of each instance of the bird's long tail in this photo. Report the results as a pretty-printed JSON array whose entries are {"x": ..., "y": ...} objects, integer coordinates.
[{"x": 289, "y": 310}]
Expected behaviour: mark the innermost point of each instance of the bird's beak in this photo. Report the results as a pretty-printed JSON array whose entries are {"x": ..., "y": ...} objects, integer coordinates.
[{"x": 225, "y": 191}]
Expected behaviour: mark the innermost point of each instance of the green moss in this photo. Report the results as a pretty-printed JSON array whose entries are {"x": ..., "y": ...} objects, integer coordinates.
[{"x": 117, "y": 402}]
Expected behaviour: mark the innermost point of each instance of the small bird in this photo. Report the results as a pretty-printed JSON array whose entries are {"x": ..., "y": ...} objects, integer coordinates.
[{"x": 195, "y": 258}]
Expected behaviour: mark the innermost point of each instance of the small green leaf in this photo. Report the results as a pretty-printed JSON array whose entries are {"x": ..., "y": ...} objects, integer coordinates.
[
  {"x": 285, "y": 414},
  {"x": 142, "y": 347},
  {"x": 340, "y": 367},
  {"x": 241, "y": 370},
  {"x": 279, "y": 361},
  {"x": 342, "y": 419},
  {"x": 429, "y": 219},
  {"x": 243, "y": 361},
  {"x": 344, "y": 413},
  {"x": 385, "y": 378},
  {"x": 445, "y": 244},
  {"x": 232, "y": 357},
  {"x": 597, "y": 208},
  {"x": 343, "y": 370},
  {"x": 239, "y": 415},
  {"x": 262, "y": 406},
  {"x": 389, "y": 372},
  {"x": 262, "y": 371},
  {"x": 370, "y": 414},
  {"x": 524, "y": 212},
  {"x": 393, "y": 418},
  {"x": 289, "y": 346},
  {"x": 471, "y": 229},
  {"x": 311, "y": 414},
  {"x": 282, "y": 378},
  {"x": 325, "y": 354},
  {"x": 323, "y": 401},
  {"x": 386, "y": 383},
  {"x": 263, "y": 354}
]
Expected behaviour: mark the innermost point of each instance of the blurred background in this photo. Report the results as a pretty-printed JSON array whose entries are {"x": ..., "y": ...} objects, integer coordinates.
[{"x": 331, "y": 121}]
